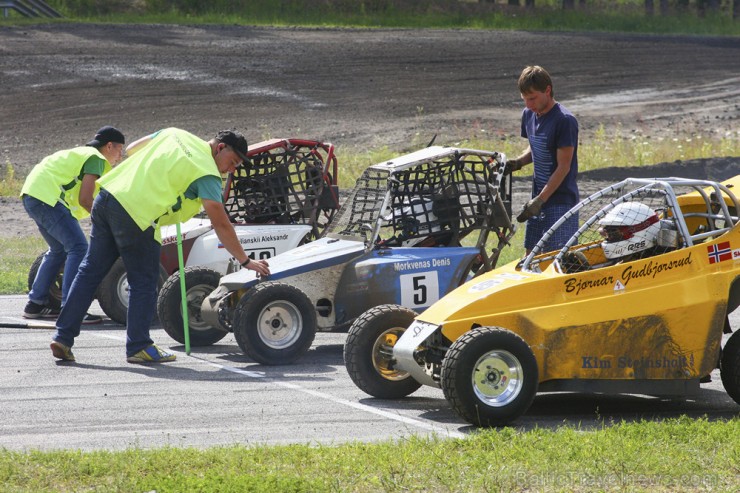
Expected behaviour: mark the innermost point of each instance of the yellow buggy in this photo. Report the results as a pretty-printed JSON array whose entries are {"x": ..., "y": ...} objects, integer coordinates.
[{"x": 636, "y": 302}]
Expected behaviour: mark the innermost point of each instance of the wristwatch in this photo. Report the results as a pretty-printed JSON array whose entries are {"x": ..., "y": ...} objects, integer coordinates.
[{"x": 246, "y": 262}]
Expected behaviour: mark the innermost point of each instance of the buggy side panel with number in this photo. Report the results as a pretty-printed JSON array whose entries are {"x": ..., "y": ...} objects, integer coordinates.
[{"x": 412, "y": 277}]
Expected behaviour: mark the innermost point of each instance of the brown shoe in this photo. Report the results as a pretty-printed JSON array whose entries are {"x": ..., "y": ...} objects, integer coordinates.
[{"x": 62, "y": 352}]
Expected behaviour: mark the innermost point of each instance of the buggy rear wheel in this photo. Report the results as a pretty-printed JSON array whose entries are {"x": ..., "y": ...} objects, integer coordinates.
[
  {"x": 199, "y": 283},
  {"x": 730, "y": 367},
  {"x": 55, "y": 290},
  {"x": 368, "y": 352},
  {"x": 489, "y": 376},
  {"x": 112, "y": 293}
]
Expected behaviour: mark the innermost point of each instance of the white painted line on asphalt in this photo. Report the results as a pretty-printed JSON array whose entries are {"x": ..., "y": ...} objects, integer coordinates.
[
  {"x": 355, "y": 405},
  {"x": 246, "y": 373},
  {"x": 363, "y": 407},
  {"x": 107, "y": 336}
]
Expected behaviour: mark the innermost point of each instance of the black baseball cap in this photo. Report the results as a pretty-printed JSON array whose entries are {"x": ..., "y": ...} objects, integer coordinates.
[
  {"x": 236, "y": 141},
  {"x": 107, "y": 134}
]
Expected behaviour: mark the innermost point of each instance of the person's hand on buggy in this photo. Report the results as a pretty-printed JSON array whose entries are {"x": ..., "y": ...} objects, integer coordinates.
[{"x": 261, "y": 267}]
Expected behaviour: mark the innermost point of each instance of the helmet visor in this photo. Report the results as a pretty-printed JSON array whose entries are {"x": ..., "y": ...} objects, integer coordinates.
[{"x": 621, "y": 233}]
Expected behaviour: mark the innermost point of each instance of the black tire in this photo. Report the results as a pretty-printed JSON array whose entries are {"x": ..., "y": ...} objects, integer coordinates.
[
  {"x": 55, "y": 291},
  {"x": 730, "y": 367},
  {"x": 274, "y": 323},
  {"x": 510, "y": 376},
  {"x": 368, "y": 352},
  {"x": 199, "y": 283},
  {"x": 112, "y": 293}
]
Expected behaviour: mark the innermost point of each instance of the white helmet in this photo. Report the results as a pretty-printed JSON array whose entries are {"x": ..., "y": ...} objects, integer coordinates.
[{"x": 628, "y": 228}]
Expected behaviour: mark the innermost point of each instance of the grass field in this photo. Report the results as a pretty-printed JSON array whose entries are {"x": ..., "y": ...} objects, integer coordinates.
[
  {"x": 592, "y": 15},
  {"x": 676, "y": 455}
]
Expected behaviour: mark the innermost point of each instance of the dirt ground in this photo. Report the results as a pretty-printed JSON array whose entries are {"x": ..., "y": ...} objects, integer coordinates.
[{"x": 356, "y": 88}]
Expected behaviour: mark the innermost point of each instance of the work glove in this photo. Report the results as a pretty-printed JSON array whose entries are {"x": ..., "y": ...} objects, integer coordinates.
[
  {"x": 530, "y": 209},
  {"x": 513, "y": 165}
]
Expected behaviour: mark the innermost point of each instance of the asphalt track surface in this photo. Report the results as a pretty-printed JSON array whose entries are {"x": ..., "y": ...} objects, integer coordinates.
[{"x": 217, "y": 397}]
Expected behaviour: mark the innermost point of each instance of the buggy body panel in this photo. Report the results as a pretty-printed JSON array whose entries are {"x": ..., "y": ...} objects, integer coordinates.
[
  {"x": 301, "y": 261},
  {"x": 346, "y": 280},
  {"x": 202, "y": 247},
  {"x": 412, "y": 277}
]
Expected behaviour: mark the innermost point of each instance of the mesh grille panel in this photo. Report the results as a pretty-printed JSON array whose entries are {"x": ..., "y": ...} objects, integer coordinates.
[
  {"x": 363, "y": 205},
  {"x": 283, "y": 185},
  {"x": 444, "y": 198}
]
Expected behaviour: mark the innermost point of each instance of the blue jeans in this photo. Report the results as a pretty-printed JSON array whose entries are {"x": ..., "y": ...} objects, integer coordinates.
[
  {"x": 67, "y": 246},
  {"x": 115, "y": 234}
]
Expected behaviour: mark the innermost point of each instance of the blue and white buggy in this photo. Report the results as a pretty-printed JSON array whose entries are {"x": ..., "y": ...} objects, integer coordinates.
[{"x": 396, "y": 239}]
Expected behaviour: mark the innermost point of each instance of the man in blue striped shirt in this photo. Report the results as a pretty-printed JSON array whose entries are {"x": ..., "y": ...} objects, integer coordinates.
[{"x": 552, "y": 132}]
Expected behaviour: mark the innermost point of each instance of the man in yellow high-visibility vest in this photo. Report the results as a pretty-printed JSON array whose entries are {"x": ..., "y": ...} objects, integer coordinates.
[
  {"x": 166, "y": 179},
  {"x": 57, "y": 193}
]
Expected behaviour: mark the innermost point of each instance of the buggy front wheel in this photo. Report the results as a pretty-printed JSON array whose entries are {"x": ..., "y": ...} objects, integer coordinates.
[
  {"x": 199, "y": 283},
  {"x": 274, "y": 323},
  {"x": 368, "y": 352},
  {"x": 489, "y": 376}
]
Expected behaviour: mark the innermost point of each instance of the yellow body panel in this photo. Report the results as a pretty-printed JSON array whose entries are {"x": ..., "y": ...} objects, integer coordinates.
[{"x": 655, "y": 318}]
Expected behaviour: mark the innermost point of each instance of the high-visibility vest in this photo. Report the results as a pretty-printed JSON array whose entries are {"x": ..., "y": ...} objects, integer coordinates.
[
  {"x": 154, "y": 180},
  {"x": 57, "y": 178}
]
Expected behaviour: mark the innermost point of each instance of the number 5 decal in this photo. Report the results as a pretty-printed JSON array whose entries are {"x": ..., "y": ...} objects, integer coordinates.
[{"x": 420, "y": 289}]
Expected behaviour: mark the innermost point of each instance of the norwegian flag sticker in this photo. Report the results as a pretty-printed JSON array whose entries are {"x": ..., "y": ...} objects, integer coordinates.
[{"x": 719, "y": 252}]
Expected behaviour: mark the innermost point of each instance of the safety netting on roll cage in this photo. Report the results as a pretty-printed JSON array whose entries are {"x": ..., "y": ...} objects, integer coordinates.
[
  {"x": 433, "y": 203},
  {"x": 285, "y": 185},
  {"x": 633, "y": 219}
]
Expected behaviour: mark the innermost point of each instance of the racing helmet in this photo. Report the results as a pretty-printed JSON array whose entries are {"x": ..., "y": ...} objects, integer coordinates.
[{"x": 628, "y": 228}]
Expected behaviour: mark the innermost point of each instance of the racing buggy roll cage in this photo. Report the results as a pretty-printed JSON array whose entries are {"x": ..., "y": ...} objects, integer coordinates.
[
  {"x": 709, "y": 216},
  {"x": 285, "y": 181},
  {"x": 436, "y": 202}
]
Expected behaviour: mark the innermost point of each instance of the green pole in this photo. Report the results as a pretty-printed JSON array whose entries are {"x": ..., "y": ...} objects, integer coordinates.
[{"x": 183, "y": 291}]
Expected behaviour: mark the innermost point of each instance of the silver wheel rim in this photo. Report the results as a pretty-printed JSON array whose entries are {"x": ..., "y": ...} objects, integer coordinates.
[
  {"x": 497, "y": 378},
  {"x": 383, "y": 354},
  {"x": 122, "y": 290},
  {"x": 195, "y": 297},
  {"x": 279, "y": 324}
]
